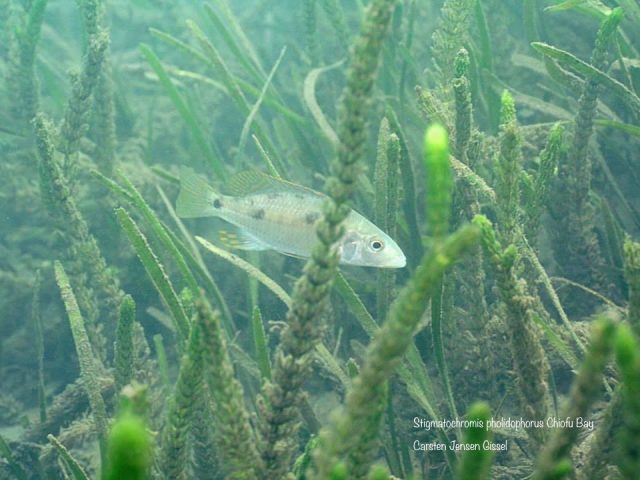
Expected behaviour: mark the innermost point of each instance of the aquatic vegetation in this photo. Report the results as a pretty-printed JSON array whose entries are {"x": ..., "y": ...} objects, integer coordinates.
[
  {"x": 21, "y": 64},
  {"x": 352, "y": 434},
  {"x": 284, "y": 395},
  {"x": 88, "y": 367},
  {"x": 476, "y": 463},
  {"x": 582, "y": 252},
  {"x": 554, "y": 457},
  {"x": 632, "y": 274},
  {"x": 507, "y": 181},
  {"x": 129, "y": 447},
  {"x": 123, "y": 355}
]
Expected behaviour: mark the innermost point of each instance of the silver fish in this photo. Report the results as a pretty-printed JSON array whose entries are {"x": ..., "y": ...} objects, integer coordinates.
[{"x": 272, "y": 214}]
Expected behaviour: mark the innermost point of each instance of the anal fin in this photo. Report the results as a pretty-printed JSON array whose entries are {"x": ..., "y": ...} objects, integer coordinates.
[{"x": 240, "y": 240}]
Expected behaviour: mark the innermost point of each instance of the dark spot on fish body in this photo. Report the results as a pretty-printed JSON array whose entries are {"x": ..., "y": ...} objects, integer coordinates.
[
  {"x": 217, "y": 203},
  {"x": 299, "y": 196},
  {"x": 311, "y": 217},
  {"x": 258, "y": 214}
]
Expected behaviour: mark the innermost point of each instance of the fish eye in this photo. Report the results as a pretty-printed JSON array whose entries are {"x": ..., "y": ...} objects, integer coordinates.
[{"x": 376, "y": 245}]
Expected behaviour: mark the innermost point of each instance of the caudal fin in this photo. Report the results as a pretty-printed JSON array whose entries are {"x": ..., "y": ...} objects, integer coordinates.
[{"x": 196, "y": 197}]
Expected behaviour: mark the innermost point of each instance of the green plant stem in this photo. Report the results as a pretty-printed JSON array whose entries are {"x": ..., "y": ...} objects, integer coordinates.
[
  {"x": 529, "y": 359},
  {"x": 233, "y": 434},
  {"x": 439, "y": 195},
  {"x": 161, "y": 355},
  {"x": 282, "y": 398},
  {"x": 632, "y": 275},
  {"x": 124, "y": 343},
  {"x": 583, "y": 393},
  {"x": 462, "y": 92},
  {"x": 22, "y": 56},
  {"x": 260, "y": 344},
  {"x": 475, "y": 463},
  {"x": 578, "y": 248},
  {"x": 88, "y": 266},
  {"x": 72, "y": 464},
  {"x": 628, "y": 360},
  {"x": 438, "y": 346},
  {"x": 75, "y": 122},
  {"x": 386, "y": 205},
  {"x": 450, "y": 35},
  {"x": 88, "y": 368},
  {"x": 174, "y": 453},
  {"x": 36, "y": 319},
  {"x": 130, "y": 447}
]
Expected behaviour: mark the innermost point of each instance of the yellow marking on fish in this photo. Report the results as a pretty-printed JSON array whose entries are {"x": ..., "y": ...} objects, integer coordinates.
[{"x": 229, "y": 239}]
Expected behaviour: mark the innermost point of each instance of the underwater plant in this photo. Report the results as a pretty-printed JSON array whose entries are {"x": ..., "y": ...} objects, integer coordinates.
[{"x": 168, "y": 338}]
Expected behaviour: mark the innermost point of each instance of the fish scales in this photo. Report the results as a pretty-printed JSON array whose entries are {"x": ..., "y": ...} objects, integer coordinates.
[{"x": 282, "y": 226}]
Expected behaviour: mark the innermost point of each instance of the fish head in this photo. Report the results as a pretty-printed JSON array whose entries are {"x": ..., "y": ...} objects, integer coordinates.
[{"x": 370, "y": 247}]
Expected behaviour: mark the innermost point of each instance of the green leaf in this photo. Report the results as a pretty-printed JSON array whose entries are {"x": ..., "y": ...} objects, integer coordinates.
[
  {"x": 186, "y": 113},
  {"x": 72, "y": 464},
  {"x": 566, "y": 5},
  {"x": 309, "y": 95},
  {"x": 439, "y": 179},
  {"x": 625, "y": 127},
  {"x": 256, "y": 106},
  {"x": 156, "y": 272},
  {"x": 249, "y": 269},
  {"x": 260, "y": 344},
  {"x": 571, "y": 61},
  {"x": 15, "y": 467}
]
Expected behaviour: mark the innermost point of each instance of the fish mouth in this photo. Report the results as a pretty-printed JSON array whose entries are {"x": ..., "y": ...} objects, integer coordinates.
[{"x": 397, "y": 262}]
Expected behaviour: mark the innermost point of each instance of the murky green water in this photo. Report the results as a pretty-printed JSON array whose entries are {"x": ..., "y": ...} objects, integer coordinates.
[{"x": 137, "y": 342}]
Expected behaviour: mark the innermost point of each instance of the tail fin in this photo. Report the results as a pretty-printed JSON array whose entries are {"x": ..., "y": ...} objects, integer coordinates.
[{"x": 196, "y": 197}]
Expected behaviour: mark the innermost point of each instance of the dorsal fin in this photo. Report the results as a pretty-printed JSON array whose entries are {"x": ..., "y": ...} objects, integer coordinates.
[{"x": 250, "y": 182}]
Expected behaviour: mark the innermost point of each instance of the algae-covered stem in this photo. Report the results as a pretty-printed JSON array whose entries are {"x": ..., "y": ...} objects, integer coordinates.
[
  {"x": 529, "y": 360},
  {"x": 21, "y": 65},
  {"x": 555, "y": 453},
  {"x": 130, "y": 448},
  {"x": 628, "y": 360},
  {"x": 281, "y": 398},
  {"x": 233, "y": 434},
  {"x": 475, "y": 464},
  {"x": 82, "y": 247},
  {"x": 88, "y": 367},
  {"x": 174, "y": 452},
  {"x": 123, "y": 354},
  {"x": 439, "y": 190},
  {"x": 578, "y": 250}
]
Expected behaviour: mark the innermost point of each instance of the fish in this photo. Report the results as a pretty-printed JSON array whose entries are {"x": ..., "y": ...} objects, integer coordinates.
[{"x": 269, "y": 213}]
